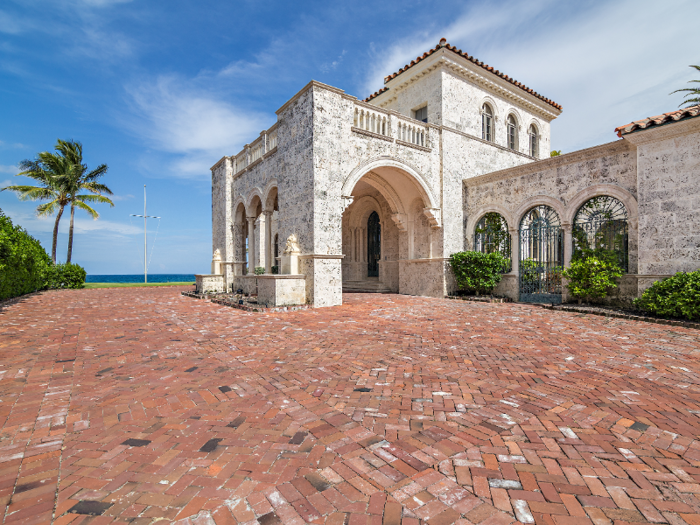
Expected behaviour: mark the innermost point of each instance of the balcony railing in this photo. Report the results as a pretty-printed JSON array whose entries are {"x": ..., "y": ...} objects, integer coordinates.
[
  {"x": 266, "y": 142},
  {"x": 390, "y": 124}
]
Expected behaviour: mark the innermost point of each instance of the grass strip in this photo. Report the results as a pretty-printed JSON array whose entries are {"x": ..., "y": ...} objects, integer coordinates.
[{"x": 132, "y": 285}]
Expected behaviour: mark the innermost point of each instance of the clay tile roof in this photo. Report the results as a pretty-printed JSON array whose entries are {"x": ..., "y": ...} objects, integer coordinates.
[
  {"x": 443, "y": 43},
  {"x": 660, "y": 120}
]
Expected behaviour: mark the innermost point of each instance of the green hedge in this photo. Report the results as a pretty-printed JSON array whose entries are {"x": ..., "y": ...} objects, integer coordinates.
[
  {"x": 66, "y": 275},
  {"x": 677, "y": 296},
  {"x": 477, "y": 272},
  {"x": 24, "y": 264}
]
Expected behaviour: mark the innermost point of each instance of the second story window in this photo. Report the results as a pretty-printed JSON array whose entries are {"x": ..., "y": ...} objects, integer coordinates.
[
  {"x": 534, "y": 141},
  {"x": 421, "y": 114},
  {"x": 512, "y": 133},
  {"x": 487, "y": 123}
]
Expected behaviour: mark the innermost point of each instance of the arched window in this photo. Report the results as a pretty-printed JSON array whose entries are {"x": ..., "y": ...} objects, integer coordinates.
[
  {"x": 600, "y": 228},
  {"x": 512, "y": 126},
  {"x": 491, "y": 235},
  {"x": 534, "y": 141},
  {"x": 487, "y": 123}
]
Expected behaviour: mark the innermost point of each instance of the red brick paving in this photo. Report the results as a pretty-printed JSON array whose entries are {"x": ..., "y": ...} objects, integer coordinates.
[{"x": 476, "y": 413}]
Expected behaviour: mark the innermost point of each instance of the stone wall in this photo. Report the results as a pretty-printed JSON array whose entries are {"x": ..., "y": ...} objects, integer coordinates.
[{"x": 668, "y": 160}]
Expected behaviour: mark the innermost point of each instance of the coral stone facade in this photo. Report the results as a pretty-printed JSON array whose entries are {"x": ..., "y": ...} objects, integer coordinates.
[{"x": 380, "y": 192}]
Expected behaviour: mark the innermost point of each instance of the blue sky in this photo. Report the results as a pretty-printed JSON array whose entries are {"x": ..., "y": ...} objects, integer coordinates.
[{"x": 161, "y": 89}]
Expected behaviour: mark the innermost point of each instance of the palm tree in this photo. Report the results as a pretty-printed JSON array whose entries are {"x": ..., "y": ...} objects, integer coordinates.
[
  {"x": 47, "y": 169},
  {"x": 78, "y": 179},
  {"x": 693, "y": 93}
]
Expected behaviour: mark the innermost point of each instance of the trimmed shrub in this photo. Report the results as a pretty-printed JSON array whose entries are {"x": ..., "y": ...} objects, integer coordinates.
[
  {"x": 23, "y": 261},
  {"x": 259, "y": 270},
  {"x": 592, "y": 277},
  {"x": 677, "y": 296},
  {"x": 66, "y": 275},
  {"x": 477, "y": 272}
]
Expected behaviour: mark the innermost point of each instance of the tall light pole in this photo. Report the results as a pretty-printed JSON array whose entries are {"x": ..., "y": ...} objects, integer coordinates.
[{"x": 145, "y": 243}]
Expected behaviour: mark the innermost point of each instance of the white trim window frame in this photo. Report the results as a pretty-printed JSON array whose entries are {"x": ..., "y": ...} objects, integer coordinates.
[
  {"x": 534, "y": 141},
  {"x": 487, "y": 122},
  {"x": 512, "y": 133}
]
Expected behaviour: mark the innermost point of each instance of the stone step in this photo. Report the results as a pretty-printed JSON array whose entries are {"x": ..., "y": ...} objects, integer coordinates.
[{"x": 370, "y": 286}]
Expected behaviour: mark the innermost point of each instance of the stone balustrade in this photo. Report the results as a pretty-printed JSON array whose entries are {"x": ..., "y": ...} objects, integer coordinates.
[
  {"x": 371, "y": 120},
  {"x": 389, "y": 124},
  {"x": 412, "y": 131},
  {"x": 265, "y": 143}
]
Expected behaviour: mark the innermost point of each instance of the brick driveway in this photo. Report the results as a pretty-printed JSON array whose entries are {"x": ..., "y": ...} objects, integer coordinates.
[{"x": 134, "y": 405}]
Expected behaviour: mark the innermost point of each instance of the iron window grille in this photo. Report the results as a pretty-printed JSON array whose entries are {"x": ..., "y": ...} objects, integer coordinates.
[
  {"x": 600, "y": 227},
  {"x": 491, "y": 235}
]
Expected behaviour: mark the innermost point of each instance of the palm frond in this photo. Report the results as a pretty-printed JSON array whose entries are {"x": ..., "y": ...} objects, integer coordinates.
[
  {"x": 94, "y": 198},
  {"x": 47, "y": 209},
  {"x": 96, "y": 187},
  {"x": 694, "y": 93},
  {"x": 85, "y": 207},
  {"x": 31, "y": 193}
]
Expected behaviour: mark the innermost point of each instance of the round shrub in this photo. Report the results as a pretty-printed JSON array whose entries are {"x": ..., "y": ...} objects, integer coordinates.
[
  {"x": 66, "y": 275},
  {"x": 23, "y": 262},
  {"x": 477, "y": 272},
  {"x": 592, "y": 277},
  {"x": 677, "y": 296}
]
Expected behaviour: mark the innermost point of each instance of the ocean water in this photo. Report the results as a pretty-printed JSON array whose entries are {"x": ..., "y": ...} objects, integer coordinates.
[{"x": 138, "y": 278}]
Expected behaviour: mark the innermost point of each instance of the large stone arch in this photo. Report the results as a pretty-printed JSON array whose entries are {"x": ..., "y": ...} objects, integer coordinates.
[
  {"x": 270, "y": 194},
  {"x": 250, "y": 201},
  {"x": 539, "y": 200},
  {"x": 412, "y": 174},
  {"x": 599, "y": 190},
  {"x": 491, "y": 208}
]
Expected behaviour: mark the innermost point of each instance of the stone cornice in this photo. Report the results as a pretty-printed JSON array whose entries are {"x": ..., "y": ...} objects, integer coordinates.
[
  {"x": 462, "y": 67},
  {"x": 310, "y": 85},
  {"x": 663, "y": 132},
  {"x": 488, "y": 143},
  {"x": 611, "y": 148},
  {"x": 222, "y": 159}
]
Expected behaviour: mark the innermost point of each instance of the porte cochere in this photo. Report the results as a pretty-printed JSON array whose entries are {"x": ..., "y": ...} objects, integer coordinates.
[{"x": 342, "y": 194}]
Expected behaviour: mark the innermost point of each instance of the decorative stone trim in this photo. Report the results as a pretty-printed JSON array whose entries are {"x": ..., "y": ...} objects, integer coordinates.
[
  {"x": 416, "y": 146},
  {"x": 371, "y": 134},
  {"x": 320, "y": 256},
  {"x": 303, "y": 90},
  {"x": 596, "y": 152},
  {"x": 434, "y": 259},
  {"x": 278, "y": 276},
  {"x": 488, "y": 143}
]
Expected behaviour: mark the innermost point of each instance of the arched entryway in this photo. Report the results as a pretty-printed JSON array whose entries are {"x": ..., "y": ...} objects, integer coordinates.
[
  {"x": 541, "y": 256},
  {"x": 390, "y": 226}
]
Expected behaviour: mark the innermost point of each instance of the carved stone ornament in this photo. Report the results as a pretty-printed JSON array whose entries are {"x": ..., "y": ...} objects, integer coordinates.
[
  {"x": 434, "y": 216},
  {"x": 347, "y": 201},
  {"x": 217, "y": 255},
  {"x": 400, "y": 221},
  {"x": 292, "y": 246}
]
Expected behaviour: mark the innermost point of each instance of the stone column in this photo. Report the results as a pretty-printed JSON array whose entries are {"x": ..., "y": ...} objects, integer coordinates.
[
  {"x": 251, "y": 245},
  {"x": 268, "y": 241},
  {"x": 568, "y": 244},
  {"x": 515, "y": 251}
]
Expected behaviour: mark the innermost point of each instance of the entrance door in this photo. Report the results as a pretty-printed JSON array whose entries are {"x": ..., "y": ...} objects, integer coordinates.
[
  {"x": 541, "y": 256},
  {"x": 374, "y": 245}
]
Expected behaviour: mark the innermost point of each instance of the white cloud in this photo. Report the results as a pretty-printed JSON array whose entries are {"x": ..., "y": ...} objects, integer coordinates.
[
  {"x": 177, "y": 116},
  {"x": 12, "y": 170},
  {"x": 121, "y": 197}
]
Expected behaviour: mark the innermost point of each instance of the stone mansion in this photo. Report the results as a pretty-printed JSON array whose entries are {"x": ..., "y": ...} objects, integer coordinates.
[{"x": 450, "y": 155}]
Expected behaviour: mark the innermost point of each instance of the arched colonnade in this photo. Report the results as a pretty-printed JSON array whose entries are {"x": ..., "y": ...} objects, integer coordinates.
[{"x": 255, "y": 239}]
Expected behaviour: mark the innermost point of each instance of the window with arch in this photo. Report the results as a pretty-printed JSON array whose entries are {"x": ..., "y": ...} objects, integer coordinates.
[
  {"x": 491, "y": 235},
  {"x": 487, "y": 122},
  {"x": 534, "y": 141},
  {"x": 601, "y": 229},
  {"x": 512, "y": 128}
]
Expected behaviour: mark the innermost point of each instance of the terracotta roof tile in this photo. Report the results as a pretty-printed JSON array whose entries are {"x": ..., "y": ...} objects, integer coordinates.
[
  {"x": 443, "y": 43},
  {"x": 660, "y": 120}
]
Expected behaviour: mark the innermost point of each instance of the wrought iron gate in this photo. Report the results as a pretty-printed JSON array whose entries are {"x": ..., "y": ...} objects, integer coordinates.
[
  {"x": 601, "y": 225},
  {"x": 374, "y": 245},
  {"x": 541, "y": 256}
]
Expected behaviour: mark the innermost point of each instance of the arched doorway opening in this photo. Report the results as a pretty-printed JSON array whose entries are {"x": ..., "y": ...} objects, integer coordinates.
[
  {"x": 541, "y": 256},
  {"x": 390, "y": 224},
  {"x": 374, "y": 245}
]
